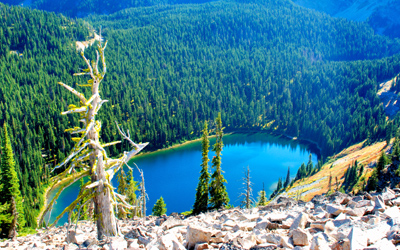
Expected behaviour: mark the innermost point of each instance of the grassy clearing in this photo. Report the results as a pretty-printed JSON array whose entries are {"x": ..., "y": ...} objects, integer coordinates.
[{"x": 337, "y": 167}]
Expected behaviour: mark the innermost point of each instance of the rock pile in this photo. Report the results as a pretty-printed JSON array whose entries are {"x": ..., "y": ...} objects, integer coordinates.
[{"x": 340, "y": 221}]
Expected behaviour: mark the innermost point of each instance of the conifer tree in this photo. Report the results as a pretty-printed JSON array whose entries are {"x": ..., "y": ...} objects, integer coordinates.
[
  {"x": 201, "y": 200},
  {"x": 10, "y": 183},
  {"x": 132, "y": 187},
  {"x": 287, "y": 180},
  {"x": 262, "y": 198},
  {"x": 160, "y": 207},
  {"x": 218, "y": 194},
  {"x": 122, "y": 189}
]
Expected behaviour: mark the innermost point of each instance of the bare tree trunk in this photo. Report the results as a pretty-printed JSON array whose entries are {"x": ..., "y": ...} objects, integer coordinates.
[
  {"x": 12, "y": 233},
  {"x": 104, "y": 212}
]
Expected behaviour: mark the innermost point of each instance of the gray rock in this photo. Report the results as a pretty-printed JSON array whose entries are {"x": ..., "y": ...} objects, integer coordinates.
[
  {"x": 300, "y": 237},
  {"x": 356, "y": 211},
  {"x": 379, "y": 204},
  {"x": 118, "y": 243},
  {"x": 334, "y": 209},
  {"x": 172, "y": 222},
  {"x": 319, "y": 242},
  {"x": 358, "y": 239},
  {"x": 383, "y": 244},
  {"x": 196, "y": 234},
  {"x": 265, "y": 246},
  {"x": 300, "y": 221},
  {"x": 170, "y": 242}
]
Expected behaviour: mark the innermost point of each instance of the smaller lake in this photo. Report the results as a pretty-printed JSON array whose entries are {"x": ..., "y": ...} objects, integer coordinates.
[{"x": 173, "y": 173}]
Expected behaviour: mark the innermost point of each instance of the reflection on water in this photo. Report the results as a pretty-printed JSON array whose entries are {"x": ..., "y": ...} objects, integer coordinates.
[{"x": 174, "y": 173}]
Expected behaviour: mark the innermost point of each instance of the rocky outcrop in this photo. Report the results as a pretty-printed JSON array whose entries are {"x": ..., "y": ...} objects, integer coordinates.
[{"x": 368, "y": 221}]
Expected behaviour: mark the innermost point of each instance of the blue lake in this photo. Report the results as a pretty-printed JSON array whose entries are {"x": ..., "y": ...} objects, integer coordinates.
[{"x": 173, "y": 173}]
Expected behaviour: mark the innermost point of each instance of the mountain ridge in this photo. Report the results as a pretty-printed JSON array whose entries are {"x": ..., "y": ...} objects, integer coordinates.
[{"x": 380, "y": 14}]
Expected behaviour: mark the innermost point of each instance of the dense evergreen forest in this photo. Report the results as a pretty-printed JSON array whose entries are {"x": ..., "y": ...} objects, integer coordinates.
[
  {"x": 268, "y": 66},
  {"x": 74, "y": 8}
]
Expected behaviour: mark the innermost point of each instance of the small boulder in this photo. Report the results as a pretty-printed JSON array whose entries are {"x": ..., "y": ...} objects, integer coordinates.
[
  {"x": 196, "y": 234},
  {"x": 358, "y": 239},
  {"x": 383, "y": 244},
  {"x": 334, "y": 209},
  {"x": 300, "y": 221},
  {"x": 118, "y": 243},
  {"x": 319, "y": 242},
  {"x": 300, "y": 237},
  {"x": 379, "y": 204}
]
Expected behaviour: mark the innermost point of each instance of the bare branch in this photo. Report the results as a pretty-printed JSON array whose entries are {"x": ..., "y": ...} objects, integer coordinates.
[
  {"x": 79, "y": 95},
  {"x": 75, "y": 110},
  {"x": 72, "y": 155},
  {"x": 69, "y": 183},
  {"x": 110, "y": 144},
  {"x": 126, "y": 137}
]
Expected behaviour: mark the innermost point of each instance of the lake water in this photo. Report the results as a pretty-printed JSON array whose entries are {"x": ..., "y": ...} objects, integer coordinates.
[{"x": 173, "y": 173}]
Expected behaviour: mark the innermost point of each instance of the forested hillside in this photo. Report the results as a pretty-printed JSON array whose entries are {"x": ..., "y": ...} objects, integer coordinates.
[
  {"x": 81, "y": 8},
  {"x": 266, "y": 66}
]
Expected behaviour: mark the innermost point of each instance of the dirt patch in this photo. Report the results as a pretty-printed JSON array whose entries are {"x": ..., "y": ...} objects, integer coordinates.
[{"x": 389, "y": 99}]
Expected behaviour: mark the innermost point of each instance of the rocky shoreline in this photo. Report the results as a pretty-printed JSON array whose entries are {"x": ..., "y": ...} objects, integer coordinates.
[{"x": 367, "y": 221}]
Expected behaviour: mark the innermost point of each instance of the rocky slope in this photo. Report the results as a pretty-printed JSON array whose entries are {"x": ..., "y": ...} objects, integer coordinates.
[{"x": 368, "y": 221}]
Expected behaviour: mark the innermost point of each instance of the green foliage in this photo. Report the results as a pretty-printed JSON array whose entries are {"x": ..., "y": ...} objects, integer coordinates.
[
  {"x": 382, "y": 162},
  {"x": 9, "y": 182},
  {"x": 160, "y": 207},
  {"x": 262, "y": 198},
  {"x": 132, "y": 188},
  {"x": 352, "y": 176},
  {"x": 373, "y": 181},
  {"x": 218, "y": 194},
  {"x": 201, "y": 200},
  {"x": 82, "y": 208},
  {"x": 287, "y": 180}
]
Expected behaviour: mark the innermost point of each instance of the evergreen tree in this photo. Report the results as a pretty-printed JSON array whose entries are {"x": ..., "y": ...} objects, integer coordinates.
[
  {"x": 218, "y": 195},
  {"x": 122, "y": 182},
  {"x": 279, "y": 185},
  {"x": 122, "y": 189},
  {"x": 262, "y": 198},
  {"x": 201, "y": 201},
  {"x": 160, "y": 207},
  {"x": 310, "y": 166},
  {"x": 132, "y": 188},
  {"x": 382, "y": 162},
  {"x": 9, "y": 181},
  {"x": 287, "y": 180}
]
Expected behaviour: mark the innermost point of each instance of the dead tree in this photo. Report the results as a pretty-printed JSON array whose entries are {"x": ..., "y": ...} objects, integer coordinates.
[
  {"x": 248, "y": 194},
  {"x": 89, "y": 157}
]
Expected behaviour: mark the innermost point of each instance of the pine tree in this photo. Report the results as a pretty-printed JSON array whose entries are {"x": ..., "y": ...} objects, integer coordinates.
[
  {"x": 218, "y": 195},
  {"x": 9, "y": 182},
  {"x": 160, "y": 207},
  {"x": 287, "y": 180},
  {"x": 262, "y": 198},
  {"x": 122, "y": 182},
  {"x": 201, "y": 201},
  {"x": 382, "y": 162},
  {"x": 122, "y": 189},
  {"x": 132, "y": 188},
  {"x": 279, "y": 185}
]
